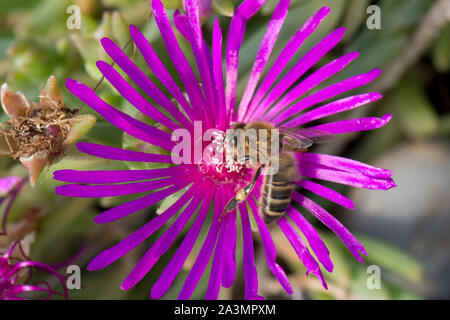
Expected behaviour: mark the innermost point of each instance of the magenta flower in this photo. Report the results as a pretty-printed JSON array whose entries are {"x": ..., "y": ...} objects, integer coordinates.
[
  {"x": 15, "y": 276},
  {"x": 278, "y": 100}
]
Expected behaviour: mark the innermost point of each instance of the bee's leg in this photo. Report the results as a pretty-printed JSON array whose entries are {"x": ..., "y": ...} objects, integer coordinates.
[
  {"x": 242, "y": 194},
  {"x": 250, "y": 186}
]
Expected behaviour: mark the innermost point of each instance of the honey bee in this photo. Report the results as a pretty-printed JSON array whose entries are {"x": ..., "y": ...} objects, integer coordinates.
[{"x": 278, "y": 185}]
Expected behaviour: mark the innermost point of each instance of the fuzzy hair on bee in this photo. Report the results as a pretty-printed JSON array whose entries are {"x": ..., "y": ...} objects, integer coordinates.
[{"x": 278, "y": 184}]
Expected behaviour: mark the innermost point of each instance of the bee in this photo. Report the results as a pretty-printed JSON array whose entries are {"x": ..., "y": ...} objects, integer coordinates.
[{"x": 278, "y": 185}]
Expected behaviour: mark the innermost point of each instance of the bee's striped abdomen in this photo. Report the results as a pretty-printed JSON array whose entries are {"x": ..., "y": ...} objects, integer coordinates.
[{"x": 275, "y": 197}]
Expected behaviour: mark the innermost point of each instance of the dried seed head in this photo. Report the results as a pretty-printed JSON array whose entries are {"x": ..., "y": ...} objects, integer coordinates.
[{"x": 38, "y": 134}]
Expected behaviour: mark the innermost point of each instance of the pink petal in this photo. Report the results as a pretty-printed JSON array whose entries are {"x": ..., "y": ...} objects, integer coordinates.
[
  {"x": 313, "y": 238},
  {"x": 269, "y": 249},
  {"x": 354, "y": 125},
  {"x": 265, "y": 49},
  {"x": 334, "y": 107},
  {"x": 177, "y": 56},
  {"x": 113, "y": 153},
  {"x": 344, "y": 164},
  {"x": 119, "y": 119},
  {"x": 235, "y": 36},
  {"x": 204, "y": 255},
  {"x": 110, "y": 255},
  {"x": 327, "y": 193},
  {"x": 328, "y": 93},
  {"x": 285, "y": 56},
  {"x": 300, "y": 68},
  {"x": 160, "y": 71},
  {"x": 250, "y": 273},
  {"x": 176, "y": 263},
  {"x": 300, "y": 248},
  {"x": 146, "y": 263}
]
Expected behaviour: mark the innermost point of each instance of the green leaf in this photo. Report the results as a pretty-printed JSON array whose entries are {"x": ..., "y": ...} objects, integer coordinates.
[
  {"x": 47, "y": 18},
  {"x": 56, "y": 225},
  {"x": 14, "y": 5},
  {"x": 444, "y": 128},
  {"x": 88, "y": 25},
  {"x": 172, "y": 4},
  {"x": 415, "y": 113},
  {"x": 120, "y": 29},
  {"x": 354, "y": 16},
  {"x": 5, "y": 42},
  {"x": 360, "y": 289},
  {"x": 105, "y": 29},
  {"x": 251, "y": 217},
  {"x": 342, "y": 273},
  {"x": 402, "y": 15},
  {"x": 105, "y": 133},
  {"x": 223, "y": 7}
]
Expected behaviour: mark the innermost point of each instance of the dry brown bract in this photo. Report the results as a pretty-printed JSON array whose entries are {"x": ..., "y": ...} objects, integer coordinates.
[{"x": 37, "y": 134}]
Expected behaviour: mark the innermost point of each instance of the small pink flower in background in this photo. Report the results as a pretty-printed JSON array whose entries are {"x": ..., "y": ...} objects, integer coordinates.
[
  {"x": 15, "y": 266},
  {"x": 213, "y": 101},
  {"x": 7, "y": 184}
]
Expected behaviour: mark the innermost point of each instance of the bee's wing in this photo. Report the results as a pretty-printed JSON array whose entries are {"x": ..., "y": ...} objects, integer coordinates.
[
  {"x": 316, "y": 135},
  {"x": 296, "y": 142},
  {"x": 303, "y": 138}
]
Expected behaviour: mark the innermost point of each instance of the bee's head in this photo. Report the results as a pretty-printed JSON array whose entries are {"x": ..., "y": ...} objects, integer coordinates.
[{"x": 238, "y": 125}]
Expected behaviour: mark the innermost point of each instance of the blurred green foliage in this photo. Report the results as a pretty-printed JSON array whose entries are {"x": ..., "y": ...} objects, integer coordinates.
[{"x": 35, "y": 43}]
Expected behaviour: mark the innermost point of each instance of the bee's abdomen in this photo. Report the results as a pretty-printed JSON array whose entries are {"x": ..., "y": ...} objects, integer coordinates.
[{"x": 275, "y": 197}]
